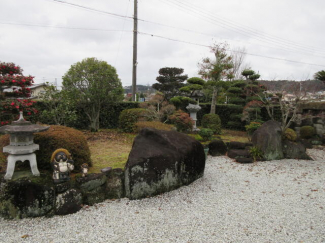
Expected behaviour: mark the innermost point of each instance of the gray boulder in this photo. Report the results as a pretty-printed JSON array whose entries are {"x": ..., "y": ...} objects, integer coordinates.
[
  {"x": 293, "y": 150},
  {"x": 68, "y": 202},
  {"x": 161, "y": 161},
  {"x": 268, "y": 138}
]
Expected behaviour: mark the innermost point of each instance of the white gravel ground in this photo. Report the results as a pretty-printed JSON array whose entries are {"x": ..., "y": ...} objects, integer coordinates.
[{"x": 277, "y": 201}]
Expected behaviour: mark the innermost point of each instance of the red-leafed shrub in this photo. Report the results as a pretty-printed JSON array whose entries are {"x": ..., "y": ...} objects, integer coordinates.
[{"x": 182, "y": 121}]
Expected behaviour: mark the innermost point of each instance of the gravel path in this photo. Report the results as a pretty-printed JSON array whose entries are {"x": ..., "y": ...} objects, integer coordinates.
[{"x": 277, "y": 201}]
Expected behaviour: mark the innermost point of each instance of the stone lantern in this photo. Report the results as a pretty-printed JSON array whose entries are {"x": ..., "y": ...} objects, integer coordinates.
[
  {"x": 193, "y": 109},
  {"x": 22, "y": 146}
]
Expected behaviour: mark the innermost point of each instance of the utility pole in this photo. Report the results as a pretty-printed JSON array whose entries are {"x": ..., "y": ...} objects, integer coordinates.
[{"x": 135, "y": 46}]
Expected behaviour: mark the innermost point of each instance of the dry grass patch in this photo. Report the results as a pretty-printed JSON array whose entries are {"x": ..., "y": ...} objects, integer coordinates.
[
  {"x": 232, "y": 135},
  {"x": 109, "y": 148}
]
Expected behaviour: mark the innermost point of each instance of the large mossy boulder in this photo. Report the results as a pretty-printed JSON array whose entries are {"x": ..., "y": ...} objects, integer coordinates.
[
  {"x": 26, "y": 196},
  {"x": 54, "y": 138},
  {"x": 268, "y": 138},
  {"x": 161, "y": 161}
]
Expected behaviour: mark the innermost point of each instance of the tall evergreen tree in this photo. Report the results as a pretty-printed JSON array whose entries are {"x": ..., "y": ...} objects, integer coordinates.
[{"x": 170, "y": 80}]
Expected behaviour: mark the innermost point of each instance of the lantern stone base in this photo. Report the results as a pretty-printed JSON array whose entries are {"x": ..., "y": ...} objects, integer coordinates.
[{"x": 12, "y": 159}]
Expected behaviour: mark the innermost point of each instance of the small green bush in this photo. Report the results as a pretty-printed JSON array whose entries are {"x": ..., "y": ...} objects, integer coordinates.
[
  {"x": 290, "y": 134},
  {"x": 213, "y": 122},
  {"x": 206, "y": 134},
  {"x": 129, "y": 117},
  {"x": 153, "y": 124},
  {"x": 182, "y": 121},
  {"x": 252, "y": 127},
  {"x": 54, "y": 138},
  {"x": 307, "y": 132},
  {"x": 234, "y": 125},
  {"x": 256, "y": 153}
]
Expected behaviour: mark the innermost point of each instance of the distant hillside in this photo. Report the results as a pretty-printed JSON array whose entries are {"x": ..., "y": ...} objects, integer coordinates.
[
  {"x": 140, "y": 89},
  {"x": 290, "y": 86}
]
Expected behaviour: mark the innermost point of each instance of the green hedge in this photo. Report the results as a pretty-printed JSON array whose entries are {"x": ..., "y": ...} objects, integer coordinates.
[{"x": 108, "y": 117}]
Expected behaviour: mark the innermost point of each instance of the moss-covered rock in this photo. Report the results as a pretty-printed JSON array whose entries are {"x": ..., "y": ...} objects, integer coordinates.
[
  {"x": 25, "y": 196},
  {"x": 68, "y": 202},
  {"x": 290, "y": 134},
  {"x": 115, "y": 184},
  {"x": 93, "y": 188}
]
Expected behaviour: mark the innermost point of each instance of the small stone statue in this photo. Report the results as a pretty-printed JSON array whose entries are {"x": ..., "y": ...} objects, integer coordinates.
[
  {"x": 62, "y": 164},
  {"x": 84, "y": 169}
]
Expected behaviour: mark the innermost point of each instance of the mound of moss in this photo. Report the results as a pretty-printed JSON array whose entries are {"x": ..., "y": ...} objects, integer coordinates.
[{"x": 290, "y": 134}]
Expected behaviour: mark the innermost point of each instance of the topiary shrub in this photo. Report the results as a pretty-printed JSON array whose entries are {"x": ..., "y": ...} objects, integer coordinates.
[
  {"x": 54, "y": 138},
  {"x": 252, "y": 127},
  {"x": 206, "y": 134},
  {"x": 213, "y": 122},
  {"x": 182, "y": 121},
  {"x": 290, "y": 134},
  {"x": 153, "y": 124},
  {"x": 129, "y": 117},
  {"x": 234, "y": 125},
  {"x": 307, "y": 132}
]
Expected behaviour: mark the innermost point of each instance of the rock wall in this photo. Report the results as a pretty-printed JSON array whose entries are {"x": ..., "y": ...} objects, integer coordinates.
[{"x": 28, "y": 196}]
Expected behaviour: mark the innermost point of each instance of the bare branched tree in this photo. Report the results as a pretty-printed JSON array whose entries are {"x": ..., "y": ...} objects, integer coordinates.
[
  {"x": 289, "y": 103},
  {"x": 238, "y": 58}
]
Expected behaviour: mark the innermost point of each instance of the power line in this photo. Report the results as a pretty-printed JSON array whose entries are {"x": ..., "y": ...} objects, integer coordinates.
[
  {"x": 166, "y": 38},
  {"x": 119, "y": 43},
  {"x": 92, "y": 9},
  {"x": 235, "y": 27},
  {"x": 251, "y": 54},
  {"x": 64, "y": 27},
  {"x": 123, "y": 30}
]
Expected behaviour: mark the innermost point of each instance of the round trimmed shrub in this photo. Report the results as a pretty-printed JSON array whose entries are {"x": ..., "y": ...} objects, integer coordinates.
[
  {"x": 206, "y": 134},
  {"x": 54, "y": 138},
  {"x": 213, "y": 122},
  {"x": 290, "y": 134},
  {"x": 129, "y": 117},
  {"x": 307, "y": 132}
]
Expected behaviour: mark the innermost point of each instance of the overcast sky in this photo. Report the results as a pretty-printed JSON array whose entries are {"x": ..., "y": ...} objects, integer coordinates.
[{"x": 284, "y": 39}]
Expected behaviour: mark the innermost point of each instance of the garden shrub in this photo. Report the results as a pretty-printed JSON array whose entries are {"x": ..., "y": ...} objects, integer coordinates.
[
  {"x": 54, "y": 138},
  {"x": 256, "y": 153},
  {"x": 307, "y": 132},
  {"x": 235, "y": 90},
  {"x": 237, "y": 101},
  {"x": 129, "y": 117},
  {"x": 206, "y": 134},
  {"x": 252, "y": 127},
  {"x": 234, "y": 125},
  {"x": 213, "y": 122},
  {"x": 290, "y": 134},
  {"x": 153, "y": 124},
  {"x": 182, "y": 121},
  {"x": 108, "y": 118}
]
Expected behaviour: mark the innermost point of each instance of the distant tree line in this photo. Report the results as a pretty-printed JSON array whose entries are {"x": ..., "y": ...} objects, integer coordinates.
[{"x": 291, "y": 86}]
